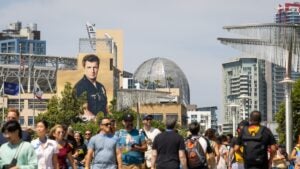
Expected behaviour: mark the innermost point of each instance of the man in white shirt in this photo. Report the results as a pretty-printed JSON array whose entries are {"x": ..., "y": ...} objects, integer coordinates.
[{"x": 150, "y": 133}]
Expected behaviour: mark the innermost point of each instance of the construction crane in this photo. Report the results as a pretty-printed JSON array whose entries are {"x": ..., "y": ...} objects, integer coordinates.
[{"x": 92, "y": 35}]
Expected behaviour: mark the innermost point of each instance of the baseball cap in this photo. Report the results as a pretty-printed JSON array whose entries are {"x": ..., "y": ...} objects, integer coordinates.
[
  {"x": 147, "y": 117},
  {"x": 128, "y": 117}
]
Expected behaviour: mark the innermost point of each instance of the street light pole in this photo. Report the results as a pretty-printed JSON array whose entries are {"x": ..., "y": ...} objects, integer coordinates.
[
  {"x": 34, "y": 95},
  {"x": 288, "y": 103},
  {"x": 19, "y": 75},
  {"x": 244, "y": 98},
  {"x": 233, "y": 113},
  {"x": 3, "y": 78}
]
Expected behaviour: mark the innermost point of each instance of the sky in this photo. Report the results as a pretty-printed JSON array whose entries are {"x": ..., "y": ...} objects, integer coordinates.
[{"x": 184, "y": 31}]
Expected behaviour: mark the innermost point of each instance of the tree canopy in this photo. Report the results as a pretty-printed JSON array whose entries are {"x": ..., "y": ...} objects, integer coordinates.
[
  {"x": 280, "y": 115},
  {"x": 65, "y": 109}
]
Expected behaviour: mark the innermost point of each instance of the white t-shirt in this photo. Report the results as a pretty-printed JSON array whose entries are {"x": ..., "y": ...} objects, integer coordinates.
[
  {"x": 202, "y": 142},
  {"x": 151, "y": 134}
]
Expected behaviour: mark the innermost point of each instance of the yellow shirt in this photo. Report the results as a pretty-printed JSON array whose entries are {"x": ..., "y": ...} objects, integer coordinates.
[
  {"x": 253, "y": 129},
  {"x": 238, "y": 157}
]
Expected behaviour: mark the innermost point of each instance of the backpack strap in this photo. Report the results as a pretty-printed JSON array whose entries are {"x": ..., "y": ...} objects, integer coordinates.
[
  {"x": 208, "y": 148},
  {"x": 18, "y": 150},
  {"x": 142, "y": 131},
  {"x": 200, "y": 148}
]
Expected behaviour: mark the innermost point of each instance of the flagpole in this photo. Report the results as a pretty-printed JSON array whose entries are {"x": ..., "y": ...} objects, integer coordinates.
[
  {"x": 19, "y": 74},
  {"x": 2, "y": 98},
  {"x": 34, "y": 93}
]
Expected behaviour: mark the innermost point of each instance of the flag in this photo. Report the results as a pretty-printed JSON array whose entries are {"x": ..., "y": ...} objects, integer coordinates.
[
  {"x": 38, "y": 93},
  {"x": 11, "y": 88}
]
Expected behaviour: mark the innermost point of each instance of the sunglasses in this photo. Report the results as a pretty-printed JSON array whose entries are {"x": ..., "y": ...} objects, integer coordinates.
[
  {"x": 106, "y": 124},
  {"x": 60, "y": 132}
]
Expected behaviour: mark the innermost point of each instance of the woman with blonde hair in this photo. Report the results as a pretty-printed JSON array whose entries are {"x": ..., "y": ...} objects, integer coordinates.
[{"x": 64, "y": 149}]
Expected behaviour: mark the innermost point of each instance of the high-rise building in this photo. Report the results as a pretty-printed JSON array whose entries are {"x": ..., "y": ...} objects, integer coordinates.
[
  {"x": 16, "y": 39},
  {"x": 243, "y": 77},
  {"x": 288, "y": 13}
]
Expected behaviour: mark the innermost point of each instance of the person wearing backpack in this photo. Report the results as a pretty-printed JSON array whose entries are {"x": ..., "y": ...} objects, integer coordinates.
[
  {"x": 236, "y": 160},
  {"x": 196, "y": 148},
  {"x": 150, "y": 133},
  {"x": 256, "y": 139}
]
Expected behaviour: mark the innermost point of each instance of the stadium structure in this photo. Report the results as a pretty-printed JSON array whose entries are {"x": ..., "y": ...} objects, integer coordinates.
[{"x": 24, "y": 63}]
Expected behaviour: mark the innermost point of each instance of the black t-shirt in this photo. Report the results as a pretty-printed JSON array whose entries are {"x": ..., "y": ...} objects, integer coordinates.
[
  {"x": 267, "y": 140},
  {"x": 81, "y": 150},
  {"x": 167, "y": 145}
]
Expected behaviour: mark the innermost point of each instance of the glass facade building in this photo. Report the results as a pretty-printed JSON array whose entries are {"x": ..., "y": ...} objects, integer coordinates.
[
  {"x": 18, "y": 39},
  {"x": 37, "y": 47}
]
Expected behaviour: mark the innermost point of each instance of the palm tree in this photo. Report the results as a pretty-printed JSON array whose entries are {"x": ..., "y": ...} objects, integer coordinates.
[
  {"x": 169, "y": 80},
  {"x": 146, "y": 82},
  {"x": 157, "y": 82}
]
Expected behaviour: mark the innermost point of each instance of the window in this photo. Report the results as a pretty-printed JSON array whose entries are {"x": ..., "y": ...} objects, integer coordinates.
[
  {"x": 158, "y": 117},
  {"x": 193, "y": 117},
  {"x": 131, "y": 84},
  {"x": 21, "y": 120},
  {"x": 30, "y": 121},
  {"x": 172, "y": 116}
]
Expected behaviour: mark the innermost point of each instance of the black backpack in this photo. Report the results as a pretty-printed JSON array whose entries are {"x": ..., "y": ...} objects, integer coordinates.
[
  {"x": 255, "y": 152},
  {"x": 194, "y": 153}
]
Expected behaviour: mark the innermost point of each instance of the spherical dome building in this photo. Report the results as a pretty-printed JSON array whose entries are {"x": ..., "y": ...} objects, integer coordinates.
[{"x": 163, "y": 73}]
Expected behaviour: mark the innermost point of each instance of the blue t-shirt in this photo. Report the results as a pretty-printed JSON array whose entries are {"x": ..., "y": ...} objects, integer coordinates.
[
  {"x": 125, "y": 141},
  {"x": 104, "y": 147}
]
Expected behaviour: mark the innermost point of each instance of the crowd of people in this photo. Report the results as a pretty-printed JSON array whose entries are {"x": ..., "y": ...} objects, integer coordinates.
[{"x": 129, "y": 148}]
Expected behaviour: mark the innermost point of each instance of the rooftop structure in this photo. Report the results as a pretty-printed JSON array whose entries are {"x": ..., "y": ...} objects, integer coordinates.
[
  {"x": 163, "y": 73},
  {"x": 16, "y": 39}
]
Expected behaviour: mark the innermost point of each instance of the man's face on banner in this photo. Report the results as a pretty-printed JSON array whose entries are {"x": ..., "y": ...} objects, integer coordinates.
[{"x": 91, "y": 70}]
